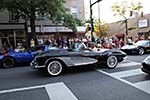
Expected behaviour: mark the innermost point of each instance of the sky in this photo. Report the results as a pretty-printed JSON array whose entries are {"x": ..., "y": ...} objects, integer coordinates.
[{"x": 105, "y": 9}]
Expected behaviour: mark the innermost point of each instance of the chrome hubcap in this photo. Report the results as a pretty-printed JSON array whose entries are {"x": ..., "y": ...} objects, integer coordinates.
[
  {"x": 112, "y": 61},
  {"x": 54, "y": 68}
]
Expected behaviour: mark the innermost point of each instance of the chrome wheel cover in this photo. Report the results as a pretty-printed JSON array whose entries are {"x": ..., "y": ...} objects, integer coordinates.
[
  {"x": 112, "y": 62},
  {"x": 141, "y": 51},
  {"x": 54, "y": 68}
]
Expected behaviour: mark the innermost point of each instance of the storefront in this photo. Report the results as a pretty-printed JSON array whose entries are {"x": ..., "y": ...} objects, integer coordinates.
[
  {"x": 12, "y": 35},
  {"x": 56, "y": 32},
  {"x": 80, "y": 34}
]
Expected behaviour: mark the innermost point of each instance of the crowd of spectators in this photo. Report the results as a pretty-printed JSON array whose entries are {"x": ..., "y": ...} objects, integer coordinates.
[{"x": 73, "y": 43}]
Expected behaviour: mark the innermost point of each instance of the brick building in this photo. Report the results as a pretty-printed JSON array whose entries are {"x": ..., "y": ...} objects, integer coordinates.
[
  {"x": 140, "y": 26},
  {"x": 12, "y": 29}
]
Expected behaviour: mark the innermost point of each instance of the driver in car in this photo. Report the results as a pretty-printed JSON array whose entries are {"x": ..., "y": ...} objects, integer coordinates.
[{"x": 93, "y": 47}]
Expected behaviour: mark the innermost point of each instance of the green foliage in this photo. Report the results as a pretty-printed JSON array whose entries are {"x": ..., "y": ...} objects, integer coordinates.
[
  {"x": 53, "y": 8},
  {"x": 136, "y": 6},
  {"x": 125, "y": 7},
  {"x": 100, "y": 27},
  {"x": 70, "y": 22}
]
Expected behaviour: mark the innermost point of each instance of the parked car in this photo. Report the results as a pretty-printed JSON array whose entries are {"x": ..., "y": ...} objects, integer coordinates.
[
  {"x": 11, "y": 59},
  {"x": 139, "y": 47},
  {"x": 146, "y": 65},
  {"x": 54, "y": 61}
]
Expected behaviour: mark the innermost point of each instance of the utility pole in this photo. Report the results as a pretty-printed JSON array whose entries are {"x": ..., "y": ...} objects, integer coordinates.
[
  {"x": 126, "y": 26},
  {"x": 91, "y": 18},
  {"x": 26, "y": 32}
]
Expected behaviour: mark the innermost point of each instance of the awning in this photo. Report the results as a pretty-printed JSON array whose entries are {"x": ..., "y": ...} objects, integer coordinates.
[{"x": 119, "y": 35}]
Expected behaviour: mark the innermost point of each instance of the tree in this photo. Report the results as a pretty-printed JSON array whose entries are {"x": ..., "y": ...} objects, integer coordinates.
[
  {"x": 54, "y": 9},
  {"x": 100, "y": 27},
  {"x": 125, "y": 10}
]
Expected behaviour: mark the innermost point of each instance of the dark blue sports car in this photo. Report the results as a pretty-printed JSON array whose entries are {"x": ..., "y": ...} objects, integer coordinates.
[
  {"x": 11, "y": 59},
  {"x": 139, "y": 47},
  {"x": 55, "y": 61}
]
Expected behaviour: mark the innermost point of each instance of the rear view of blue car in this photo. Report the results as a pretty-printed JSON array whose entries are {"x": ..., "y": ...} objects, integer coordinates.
[{"x": 11, "y": 59}]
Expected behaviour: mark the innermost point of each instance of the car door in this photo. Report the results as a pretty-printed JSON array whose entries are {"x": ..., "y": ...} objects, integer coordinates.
[{"x": 22, "y": 57}]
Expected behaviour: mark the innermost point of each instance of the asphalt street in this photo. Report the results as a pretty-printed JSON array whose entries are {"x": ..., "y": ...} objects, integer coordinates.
[{"x": 126, "y": 82}]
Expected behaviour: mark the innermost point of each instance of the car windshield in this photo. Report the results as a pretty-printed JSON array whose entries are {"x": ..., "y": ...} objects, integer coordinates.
[
  {"x": 36, "y": 48},
  {"x": 53, "y": 52},
  {"x": 141, "y": 43},
  {"x": 81, "y": 46}
]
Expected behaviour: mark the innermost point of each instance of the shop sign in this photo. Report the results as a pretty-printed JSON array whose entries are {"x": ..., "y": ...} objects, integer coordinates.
[
  {"x": 51, "y": 29},
  {"x": 81, "y": 28},
  {"x": 57, "y": 29},
  {"x": 143, "y": 23}
]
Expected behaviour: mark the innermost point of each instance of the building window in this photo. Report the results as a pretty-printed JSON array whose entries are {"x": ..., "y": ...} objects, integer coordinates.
[
  {"x": 13, "y": 17},
  {"x": 74, "y": 12},
  {"x": 74, "y": 15},
  {"x": 41, "y": 16}
]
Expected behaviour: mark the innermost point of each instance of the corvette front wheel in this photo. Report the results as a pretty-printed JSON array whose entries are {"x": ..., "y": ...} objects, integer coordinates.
[
  {"x": 54, "y": 68},
  {"x": 8, "y": 62},
  {"x": 111, "y": 62},
  {"x": 141, "y": 51}
]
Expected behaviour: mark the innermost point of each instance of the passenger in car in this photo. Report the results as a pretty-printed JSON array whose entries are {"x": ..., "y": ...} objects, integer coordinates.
[{"x": 93, "y": 47}]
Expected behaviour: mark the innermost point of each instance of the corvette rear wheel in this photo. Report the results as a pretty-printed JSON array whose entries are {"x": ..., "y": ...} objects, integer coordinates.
[
  {"x": 54, "y": 68},
  {"x": 111, "y": 62},
  {"x": 8, "y": 62},
  {"x": 141, "y": 51}
]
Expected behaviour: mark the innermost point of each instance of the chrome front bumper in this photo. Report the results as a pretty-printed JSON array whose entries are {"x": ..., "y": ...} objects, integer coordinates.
[{"x": 35, "y": 65}]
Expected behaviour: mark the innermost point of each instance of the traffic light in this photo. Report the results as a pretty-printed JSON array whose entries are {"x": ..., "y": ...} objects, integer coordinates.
[
  {"x": 131, "y": 13},
  {"x": 142, "y": 14}
]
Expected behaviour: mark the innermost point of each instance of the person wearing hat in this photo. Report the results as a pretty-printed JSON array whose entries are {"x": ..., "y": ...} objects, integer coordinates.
[{"x": 93, "y": 46}]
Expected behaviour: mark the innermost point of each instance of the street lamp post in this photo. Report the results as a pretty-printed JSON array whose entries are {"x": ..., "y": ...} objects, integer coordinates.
[
  {"x": 91, "y": 18},
  {"x": 126, "y": 26},
  {"x": 26, "y": 32}
]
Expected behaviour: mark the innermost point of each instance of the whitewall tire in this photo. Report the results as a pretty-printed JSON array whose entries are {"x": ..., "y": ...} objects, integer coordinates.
[
  {"x": 111, "y": 62},
  {"x": 54, "y": 68}
]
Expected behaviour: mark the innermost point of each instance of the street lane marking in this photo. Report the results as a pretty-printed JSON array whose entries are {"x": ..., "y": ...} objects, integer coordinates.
[
  {"x": 144, "y": 85},
  {"x": 128, "y": 64},
  {"x": 127, "y": 82},
  {"x": 127, "y": 73},
  {"x": 55, "y": 91},
  {"x": 59, "y": 91},
  {"x": 21, "y": 89}
]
